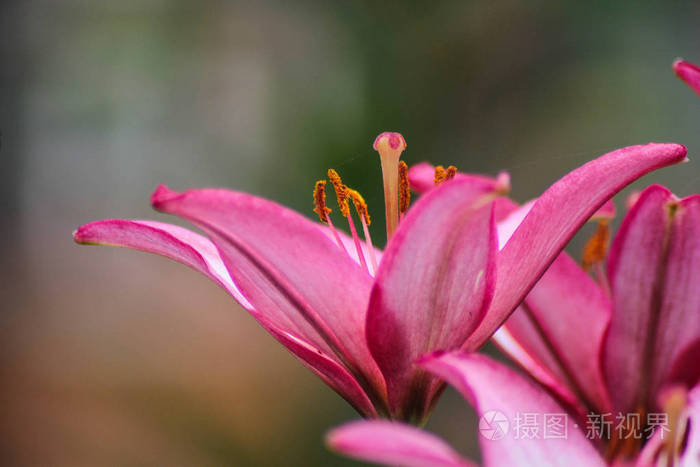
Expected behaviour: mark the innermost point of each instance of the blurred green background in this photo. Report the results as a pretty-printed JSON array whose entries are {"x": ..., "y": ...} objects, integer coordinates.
[{"x": 111, "y": 357}]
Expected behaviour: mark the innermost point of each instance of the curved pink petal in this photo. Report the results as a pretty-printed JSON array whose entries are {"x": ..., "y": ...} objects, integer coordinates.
[
  {"x": 555, "y": 218},
  {"x": 327, "y": 368},
  {"x": 561, "y": 324},
  {"x": 290, "y": 271},
  {"x": 689, "y": 73},
  {"x": 653, "y": 269},
  {"x": 197, "y": 252},
  {"x": 422, "y": 179},
  {"x": 171, "y": 241},
  {"x": 499, "y": 393},
  {"x": 525, "y": 346},
  {"x": 393, "y": 443},
  {"x": 635, "y": 266},
  {"x": 432, "y": 288},
  {"x": 678, "y": 325}
]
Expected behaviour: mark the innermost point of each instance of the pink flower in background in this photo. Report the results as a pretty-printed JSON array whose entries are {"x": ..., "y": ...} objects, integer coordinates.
[
  {"x": 615, "y": 345},
  {"x": 618, "y": 344},
  {"x": 689, "y": 73},
  {"x": 520, "y": 425},
  {"x": 360, "y": 319}
]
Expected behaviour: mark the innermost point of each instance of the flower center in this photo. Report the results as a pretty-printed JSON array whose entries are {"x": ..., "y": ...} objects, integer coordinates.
[{"x": 397, "y": 197}]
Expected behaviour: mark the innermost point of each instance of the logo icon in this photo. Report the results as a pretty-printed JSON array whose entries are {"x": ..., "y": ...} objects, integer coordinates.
[{"x": 493, "y": 425}]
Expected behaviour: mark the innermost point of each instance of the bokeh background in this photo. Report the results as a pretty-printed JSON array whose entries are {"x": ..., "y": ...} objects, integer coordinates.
[{"x": 111, "y": 357}]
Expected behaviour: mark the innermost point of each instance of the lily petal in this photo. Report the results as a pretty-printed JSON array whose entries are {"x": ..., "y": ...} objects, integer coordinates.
[
  {"x": 199, "y": 253},
  {"x": 288, "y": 269},
  {"x": 561, "y": 325},
  {"x": 432, "y": 288},
  {"x": 392, "y": 443},
  {"x": 689, "y": 73},
  {"x": 556, "y": 217},
  {"x": 492, "y": 387},
  {"x": 171, "y": 241},
  {"x": 678, "y": 328},
  {"x": 421, "y": 177},
  {"x": 327, "y": 368},
  {"x": 653, "y": 263}
]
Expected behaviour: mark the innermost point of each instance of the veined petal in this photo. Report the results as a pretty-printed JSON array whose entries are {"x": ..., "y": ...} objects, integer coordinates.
[
  {"x": 496, "y": 390},
  {"x": 288, "y": 269},
  {"x": 689, "y": 73},
  {"x": 432, "y": 288},
  {"x": 327, "y": 368},
  {"x": 639, "y": 273},
  {"x": 555, "y": 218},
  {"x": 171, "y": 241},
  {"x": 520, "y": 340},
  {"x": 421, "y": 177},
  {"x": 561, "y": 324},
  {"x": 678, "y": 327},
  {"x": 393, "y": 443},
  {"x": 199, "y": 253}
]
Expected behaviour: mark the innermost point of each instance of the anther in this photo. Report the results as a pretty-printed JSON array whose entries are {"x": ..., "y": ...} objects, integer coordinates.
[
  {"x": 320, "y": 201},
  {"x": 341, "y": 192},
  {"x": 404, "y": 188},
  {"x": 322, "y": 210},
  {"x": 596, "y": 247},
  {"x": 450, "y": 172},
  {"x": 440, "y": 175},
  {"x": 361, "y": 207}
]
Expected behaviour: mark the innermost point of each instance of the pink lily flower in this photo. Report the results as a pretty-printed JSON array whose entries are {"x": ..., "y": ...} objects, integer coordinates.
[
  {"x": 614, "y": 345},
  {"x": 357, "y": 318},
  {"x": 503, "y": 399},
  {"x": 689, "y": 73}
]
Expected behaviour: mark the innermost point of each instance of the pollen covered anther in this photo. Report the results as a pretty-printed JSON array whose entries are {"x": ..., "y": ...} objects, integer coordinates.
[
  {"x": 596, "y": 248},
  {"x": 450, "y": 172},
  {"x": 360, "y": 205},
  {"x": 404, "y": 188},
  {"x": 341, "y": 192},
  {"x": 320, "y": 201},
  {"x": 440, "y": 175}
]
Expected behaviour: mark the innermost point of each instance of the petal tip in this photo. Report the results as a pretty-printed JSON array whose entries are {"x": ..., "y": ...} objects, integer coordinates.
[{"x": 161, "y": 195}]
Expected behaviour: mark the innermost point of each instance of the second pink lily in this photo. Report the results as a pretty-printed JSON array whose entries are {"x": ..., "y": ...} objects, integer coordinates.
[{"x": 441, "y": 283}]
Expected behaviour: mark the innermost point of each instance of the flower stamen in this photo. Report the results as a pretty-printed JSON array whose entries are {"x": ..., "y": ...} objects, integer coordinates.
[
  {"x": 322, "y": 210},
  {"x": 439, "y": 175},
  {"x": 595, "y": 252},
  {"x": 450, "y": 172},
  {"x": 342, "y": 193},
  {"x": 596, "y": 248},
  {"x": 361, "y": 207},
  {"x": 404, "y": 189}
]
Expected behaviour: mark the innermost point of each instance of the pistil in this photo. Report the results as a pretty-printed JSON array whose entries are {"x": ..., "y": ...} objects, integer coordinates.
[{"x": 390, "y": 145}]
